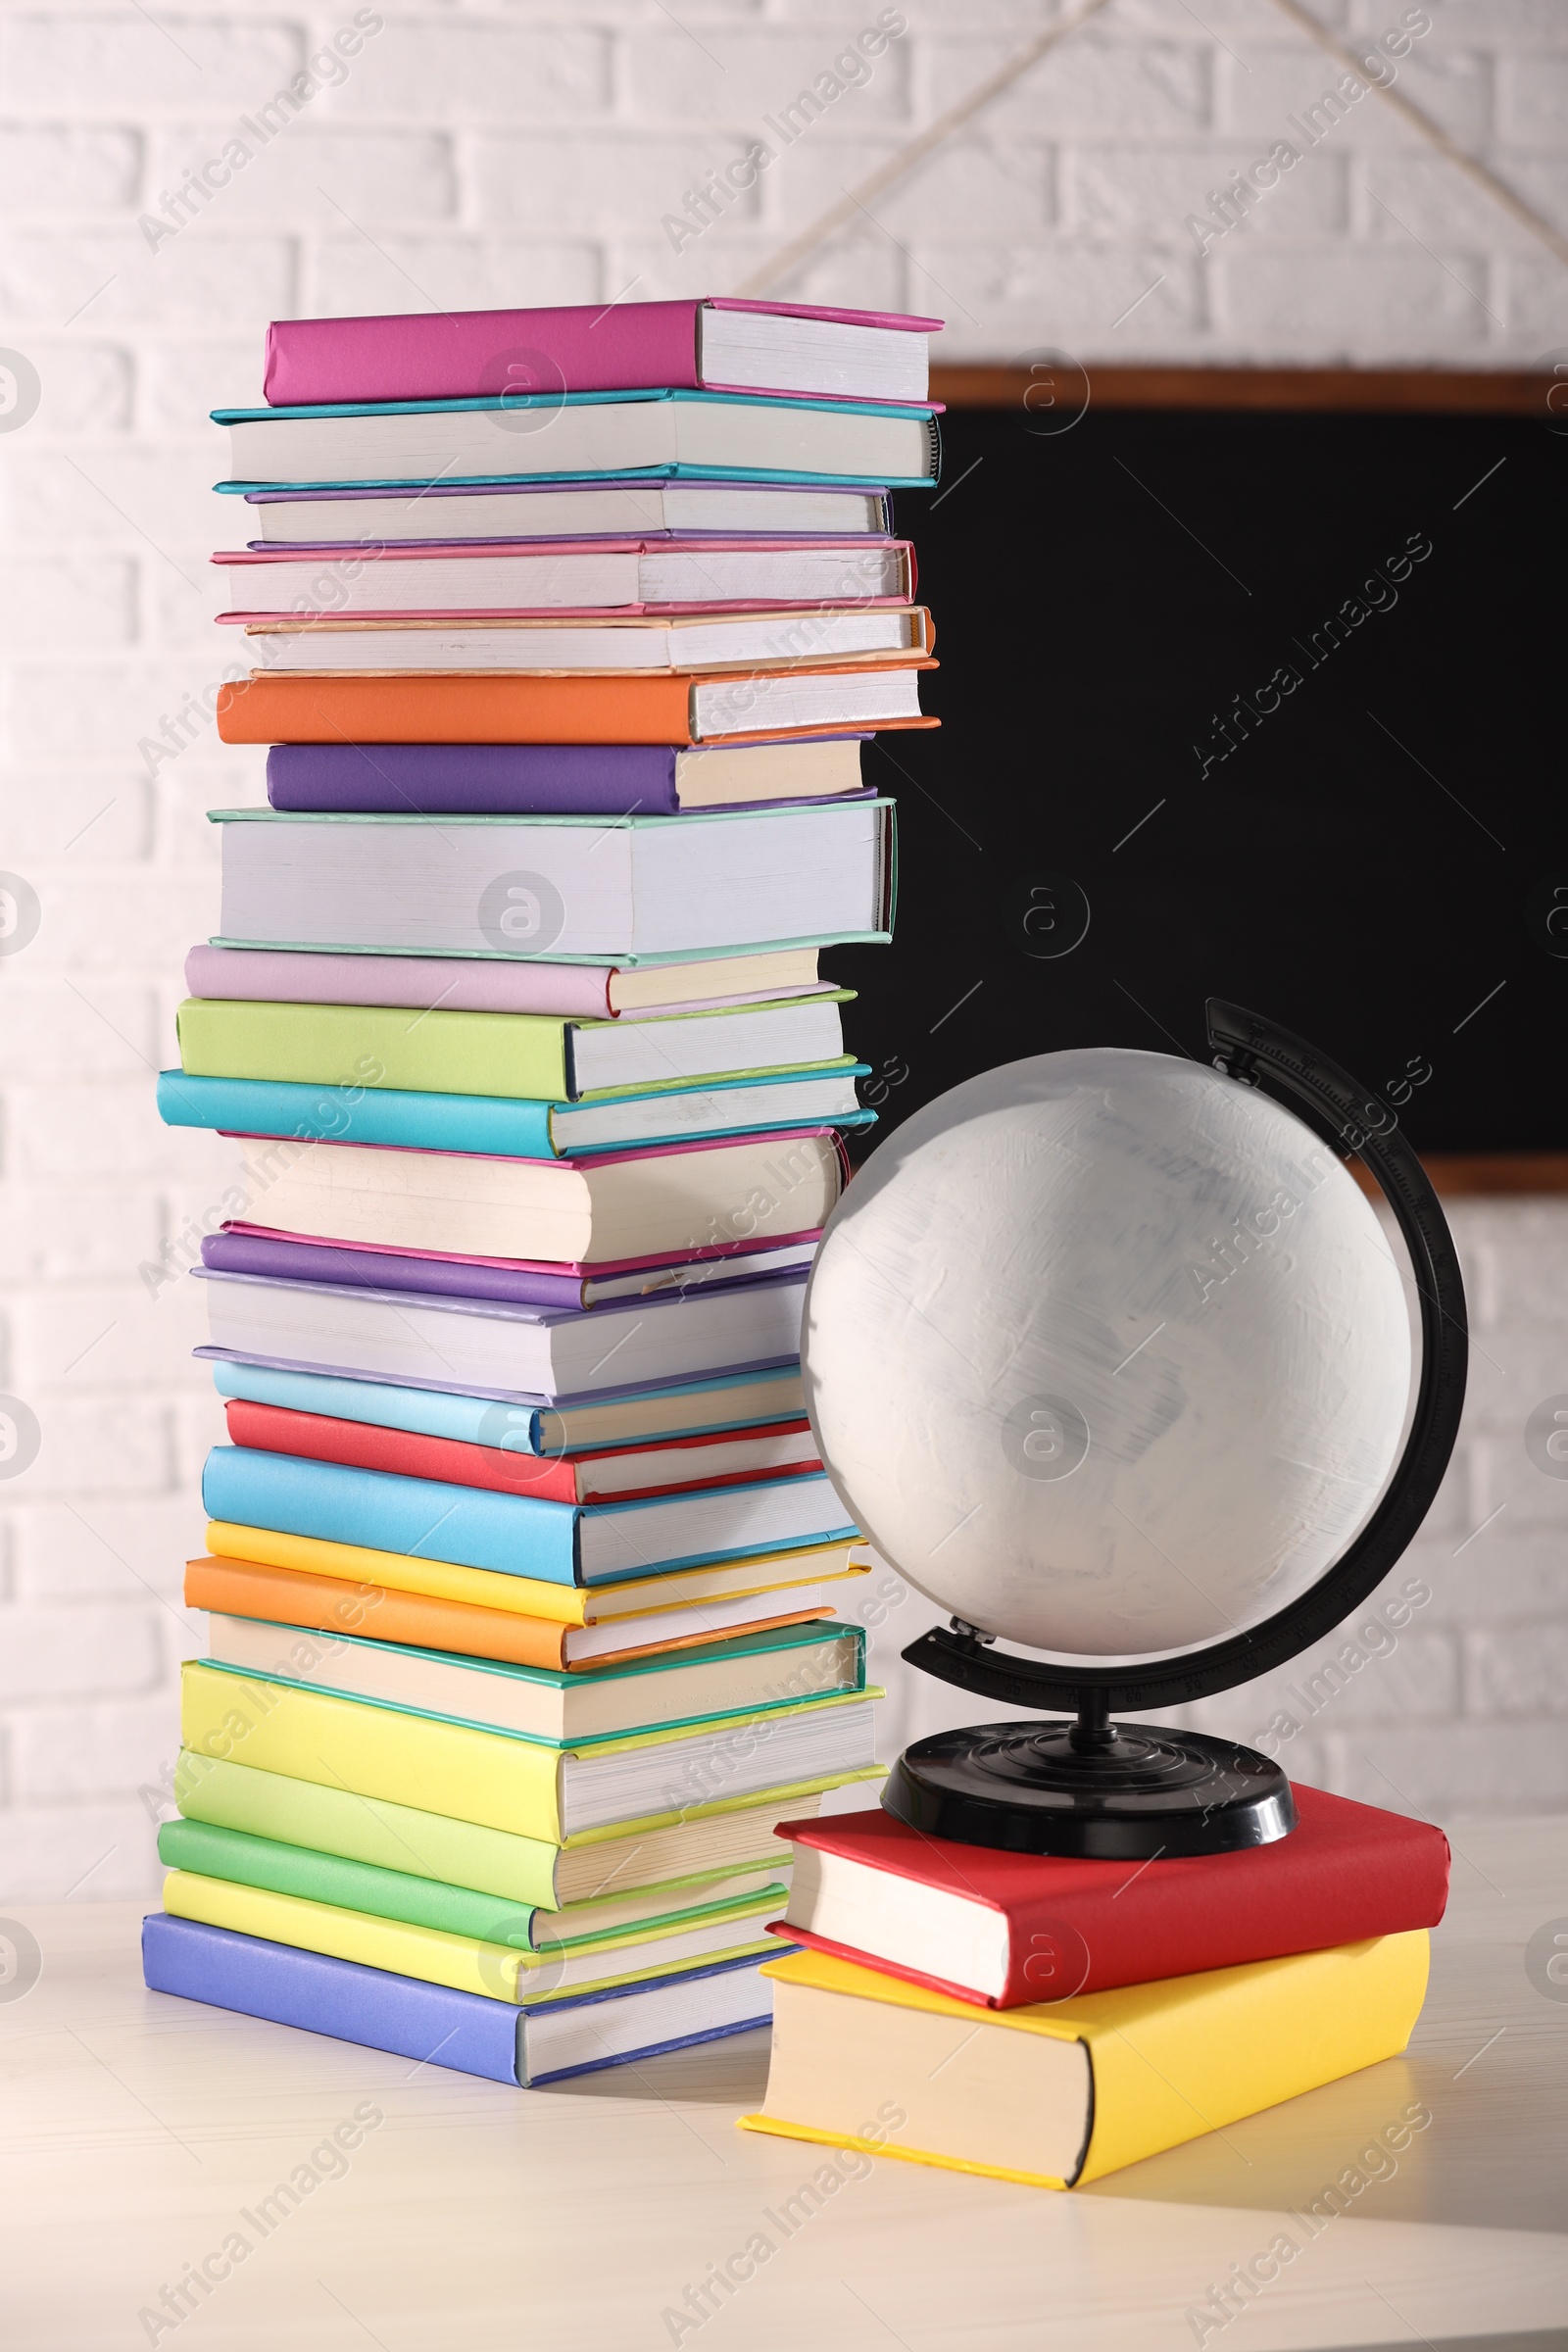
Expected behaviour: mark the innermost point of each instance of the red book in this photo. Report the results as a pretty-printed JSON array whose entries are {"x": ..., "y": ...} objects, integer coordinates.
[
  {"x": 1011, "y": 1929},
  {"x": 618, "y": 1474}
]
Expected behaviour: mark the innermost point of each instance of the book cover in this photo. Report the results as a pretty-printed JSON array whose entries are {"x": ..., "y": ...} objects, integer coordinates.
[
  {"x": 1064, "y": 1927},
  {"x": 1060, "y": 2094},
  {"x": 576, "y": 347}
]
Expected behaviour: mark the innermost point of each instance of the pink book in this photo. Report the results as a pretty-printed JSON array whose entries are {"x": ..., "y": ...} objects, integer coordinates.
[
  {"x": 458, "y": 984},
  {"x": 720, "y": 344},
  {"x": 512, "y": 580}
]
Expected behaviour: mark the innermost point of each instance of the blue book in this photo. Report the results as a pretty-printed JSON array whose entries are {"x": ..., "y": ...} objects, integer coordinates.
[
  {"x": 683, "y": 1409},
  {"x": 506, "y": 1129},
  {"x": 578, "y": 2035},
  {"x": 520, "y": 1535}
]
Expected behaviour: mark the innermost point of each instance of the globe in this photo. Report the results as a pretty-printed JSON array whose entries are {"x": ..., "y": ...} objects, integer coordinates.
[{"x": 1107, "y": 1353}]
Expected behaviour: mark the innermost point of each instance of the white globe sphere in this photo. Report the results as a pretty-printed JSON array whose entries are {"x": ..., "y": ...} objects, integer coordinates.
[{"x": 1106, "y": 1353}]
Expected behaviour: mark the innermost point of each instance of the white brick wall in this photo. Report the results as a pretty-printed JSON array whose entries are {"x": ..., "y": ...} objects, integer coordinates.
[{"x": 522, "y": 151}]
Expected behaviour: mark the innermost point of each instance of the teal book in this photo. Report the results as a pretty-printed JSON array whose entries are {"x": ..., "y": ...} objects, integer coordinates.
[{"x": 359, "y": 1111}]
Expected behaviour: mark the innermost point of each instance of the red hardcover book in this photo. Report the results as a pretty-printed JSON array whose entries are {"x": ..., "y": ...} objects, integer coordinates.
[
  {"x": 619, "y": 1474},
  {"x": 1010, "y": 1929}
]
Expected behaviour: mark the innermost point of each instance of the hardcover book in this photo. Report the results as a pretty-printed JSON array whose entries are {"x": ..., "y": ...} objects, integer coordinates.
[
  {"x": 560, "y": 779},
  {"x": 717, "y": 343},
  {"x": 1011, "y": 1929},
  {"x": 1063, "y": 2093},
  {"x": 437, "y": 2027},
  {"x": 455, "y": 709}
]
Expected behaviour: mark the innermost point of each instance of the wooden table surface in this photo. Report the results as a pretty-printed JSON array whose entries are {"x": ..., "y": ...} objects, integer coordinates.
[{"x": 138, "y": 2131}]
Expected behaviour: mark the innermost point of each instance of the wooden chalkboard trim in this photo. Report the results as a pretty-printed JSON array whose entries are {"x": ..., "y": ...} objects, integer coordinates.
[
  {"x": 1347, "y": 391},
  {"x": 1486, "y": 1175}
]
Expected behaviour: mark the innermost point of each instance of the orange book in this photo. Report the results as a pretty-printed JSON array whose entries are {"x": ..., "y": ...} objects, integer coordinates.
[
  {"x": 469, "y": 707},
  {"x": 331, "y": 1604}
]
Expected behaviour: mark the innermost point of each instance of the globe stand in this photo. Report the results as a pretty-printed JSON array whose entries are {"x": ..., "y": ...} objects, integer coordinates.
[
  {"x": 1135, "y": 1792},
  {"x": 1116, "y": 1792}
]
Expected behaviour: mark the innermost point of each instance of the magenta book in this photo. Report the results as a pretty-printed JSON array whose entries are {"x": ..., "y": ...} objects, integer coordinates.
[{"x": 713, "y": 345}]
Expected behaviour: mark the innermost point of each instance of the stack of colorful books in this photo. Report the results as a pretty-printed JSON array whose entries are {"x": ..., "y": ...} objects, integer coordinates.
[
  {"x": 532, "y": 1609},
  {"x": 1049, "y": 2021}
]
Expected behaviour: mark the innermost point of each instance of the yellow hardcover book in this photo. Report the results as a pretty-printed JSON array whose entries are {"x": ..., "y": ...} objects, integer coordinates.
[
  {"x": 1059, "y": 2093},
  {"x": 499, "y": 1971},
  {"x": 529, "y": 1597},
  {"x": 500, "y": 1779}
]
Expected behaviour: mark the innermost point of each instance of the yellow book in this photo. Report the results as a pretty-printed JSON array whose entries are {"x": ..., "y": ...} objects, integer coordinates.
[
  {"x": 530, "y": 1596},
  {"x": 503, "y": 1780},
  {"x": 1058, "y": 2093},
  {"x": 499, "y": 1971}
]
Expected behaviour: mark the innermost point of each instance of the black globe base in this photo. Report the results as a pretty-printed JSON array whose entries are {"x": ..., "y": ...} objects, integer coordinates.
[{"x": 1111, "y": 1792}]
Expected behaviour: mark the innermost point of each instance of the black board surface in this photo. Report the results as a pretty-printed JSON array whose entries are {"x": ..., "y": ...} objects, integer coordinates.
[{"x": 1364, "y": 847}]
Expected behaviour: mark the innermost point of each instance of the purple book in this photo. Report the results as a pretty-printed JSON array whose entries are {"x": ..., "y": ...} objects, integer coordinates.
[
  {"x": 461, "y": 1278},
  {"x": 490, "y": 779},
  {"x": 440, "y": 2027}
]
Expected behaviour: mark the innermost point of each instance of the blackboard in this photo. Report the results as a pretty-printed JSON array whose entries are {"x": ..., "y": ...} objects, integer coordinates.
[{"x": 1364, "y": 848}]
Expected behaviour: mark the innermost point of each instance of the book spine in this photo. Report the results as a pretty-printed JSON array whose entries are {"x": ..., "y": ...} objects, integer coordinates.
[
  {"x": 507, "y": 1534},
  {"x": 631, "y": 347},
  {"x": 371, "y": 1446},
  {"x": 324, "y": 708},
  {"x": 331, "y": 1604},
  {"x": 426, "y": 2022},
  {"x": 418, "y": 1902},
  {"x": 510, "y": 1056},
  {"x": 387, "y": 1270},
  {"x": 486, "y": 1777},
  {"x": 481, "y": 779}
]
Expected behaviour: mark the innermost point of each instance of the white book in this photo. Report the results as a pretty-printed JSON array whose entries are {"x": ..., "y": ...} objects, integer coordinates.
[
  {"x": 631, "y": 433},
  {"x": 557, "y": 887},
  {"x": 575, "y": 511},
  {"x": 513, "y": 1353},
  {"x": 612, "y": 644},
  {"x": 500, "y": 580}
]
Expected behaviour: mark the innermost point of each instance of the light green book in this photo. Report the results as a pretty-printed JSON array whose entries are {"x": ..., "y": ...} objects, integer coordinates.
[
  {"x": 721, "y": 1839},
  {"x": 516, "y": 1056},
  {"x": 424, "y": 1903}
]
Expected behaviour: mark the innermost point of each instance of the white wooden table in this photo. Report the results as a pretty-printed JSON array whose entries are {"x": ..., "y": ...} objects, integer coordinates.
[{"x": 137, "y": 2132}]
